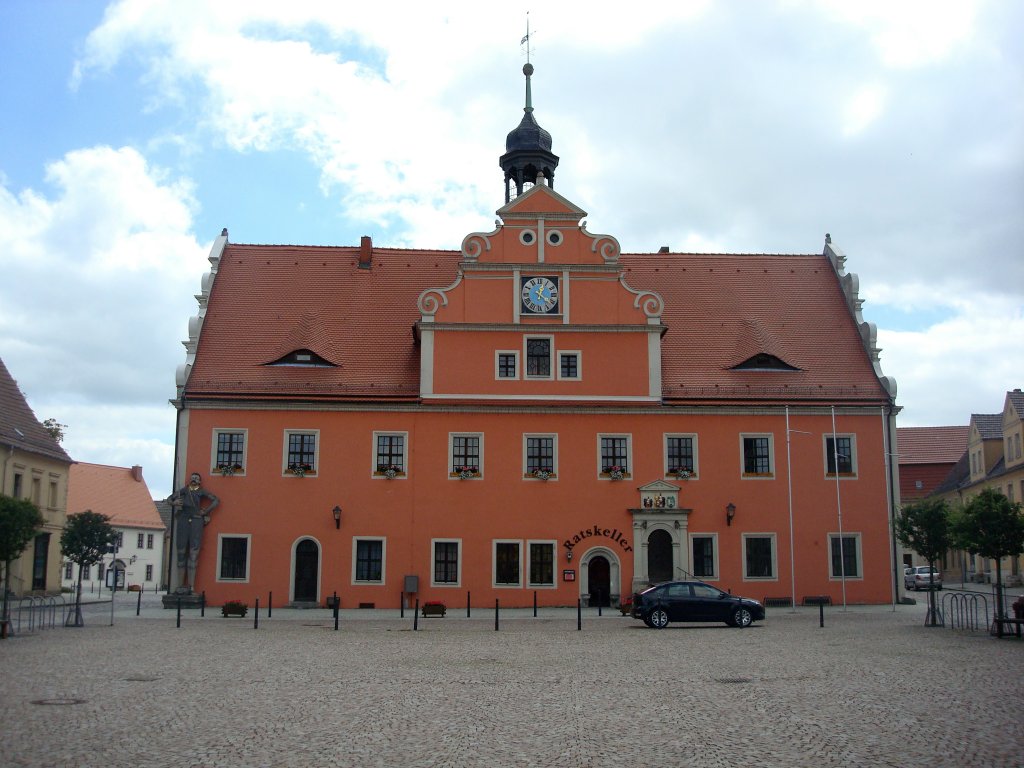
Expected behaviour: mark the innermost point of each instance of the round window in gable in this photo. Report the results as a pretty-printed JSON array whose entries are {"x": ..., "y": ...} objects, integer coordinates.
[
  {"x": 527, "y": 237},
  {"x": 555, "y": 237}
]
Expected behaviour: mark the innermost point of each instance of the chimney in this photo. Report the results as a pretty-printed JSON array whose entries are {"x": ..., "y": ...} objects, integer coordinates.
[
  {"x": 137, "y": 473},
  {"x": 365, "y": 251}
]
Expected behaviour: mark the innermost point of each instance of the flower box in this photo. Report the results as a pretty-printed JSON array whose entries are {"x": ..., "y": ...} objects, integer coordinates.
[
  {"x": 228, "y": 469},
  {"x": 465, "y": 473},
  {"x": 234, "y": 608},
  {"x": 433, "y": 608}
]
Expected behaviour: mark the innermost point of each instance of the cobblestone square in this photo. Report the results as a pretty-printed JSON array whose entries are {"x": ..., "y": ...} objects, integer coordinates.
[{"x": 874, "y": 687}]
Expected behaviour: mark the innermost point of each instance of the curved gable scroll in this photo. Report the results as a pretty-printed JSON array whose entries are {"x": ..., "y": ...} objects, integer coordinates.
[{"x": 433, "y": 299}]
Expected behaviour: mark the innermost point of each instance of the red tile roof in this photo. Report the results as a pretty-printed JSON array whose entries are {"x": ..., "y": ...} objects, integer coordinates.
[
  {"x": 268, "y": 300},
  {"x": 112, "y": 491},
  {"x": 931, "y": 445}
]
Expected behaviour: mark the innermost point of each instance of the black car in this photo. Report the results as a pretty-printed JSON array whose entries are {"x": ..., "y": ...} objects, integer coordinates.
[{"x": 693, "y": 601}]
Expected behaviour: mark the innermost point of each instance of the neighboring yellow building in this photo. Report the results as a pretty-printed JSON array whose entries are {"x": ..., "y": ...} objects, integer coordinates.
[
  {"x": 35, "y": 467},
  {"x": 994, "y": 459}
]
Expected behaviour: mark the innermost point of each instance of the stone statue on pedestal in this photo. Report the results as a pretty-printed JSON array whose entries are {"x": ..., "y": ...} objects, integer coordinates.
[{"x": 191, "y": 518}]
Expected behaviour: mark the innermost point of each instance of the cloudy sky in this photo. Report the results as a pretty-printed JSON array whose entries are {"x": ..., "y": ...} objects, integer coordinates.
[{"x": 133, "y": 132}]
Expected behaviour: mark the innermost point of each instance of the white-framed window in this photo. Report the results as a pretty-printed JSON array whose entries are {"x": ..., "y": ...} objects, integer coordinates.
[
  {"x": 614, "y": 456},
  {"x": 506, "y": 364},
  {"x": 841, "y": 452},
  {"x": 390, "y": 454},
  {"x": 570, "y": 364},
  {"x": 681, "y": 456},
  {"x": 149, "y": 541},
  {"x": 704, "y": 555},
  {"x": 68, "y": 570},
  {"x": 760, "y": 558},
  {"x": 369, "y": 556},
  {"x": 228, "y": 451},
  {"x": 465, "y": 455},
  {"x": 542, "y": 563},
  {"x": 844, "y": 556},
  {"x": 52, "y": 499},
  {"x": 149, "y": 572},
  {"x": 507, "y": 563},
  {"x": 446, "y": 557},
  {"x": 757, "y": 455},
  {"x": 233, "y": 556},
  {"x": 540, "y": 456},
  {"x": 140, "y": 541},
  {"x": 538, "y": 351},
  {"x": 301, "y": 452}
]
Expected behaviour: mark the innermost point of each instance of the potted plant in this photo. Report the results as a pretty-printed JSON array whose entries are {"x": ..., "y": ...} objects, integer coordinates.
[
  {"x": 466, "y": 472},
  {"x": 300, "y": 470},
  {"x": 234, "y": 608},
  {"x": 616, "y": 472},
  {"x": 542, "y": 474},
  {"x": 681, "y": 473},
  {"x": 390, "y": 471},
  {"x": 229, "y": 469}
]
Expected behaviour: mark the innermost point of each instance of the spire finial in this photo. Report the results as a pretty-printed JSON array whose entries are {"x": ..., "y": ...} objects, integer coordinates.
[{"x": 527, "y": 67}]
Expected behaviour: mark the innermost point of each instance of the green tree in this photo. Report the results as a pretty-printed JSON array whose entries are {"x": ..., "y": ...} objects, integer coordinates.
[
  {"x": 84, "y": 541},
  {"x": 20, "y": 520},
  {"x": 925, "y": 527},
  {"x": 992, "y": 526},
  {"x": 55, "y": 428}
]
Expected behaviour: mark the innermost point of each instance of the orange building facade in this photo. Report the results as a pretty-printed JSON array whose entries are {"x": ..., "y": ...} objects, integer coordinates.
[{"x": 535, "y": 416}]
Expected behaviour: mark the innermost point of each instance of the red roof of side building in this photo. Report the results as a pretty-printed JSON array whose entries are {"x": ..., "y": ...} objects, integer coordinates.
[
  {"x": 118, "y": 492},
  {"x": 19, "y": 427},
  {"x": 931, "y": 445},
  {"x": 270, "y": 300}
]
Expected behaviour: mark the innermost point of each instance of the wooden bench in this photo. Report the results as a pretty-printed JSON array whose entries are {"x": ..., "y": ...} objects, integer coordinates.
[
  {"x": 1005, "y": 621},
  {"x": 817, "y": 600}
]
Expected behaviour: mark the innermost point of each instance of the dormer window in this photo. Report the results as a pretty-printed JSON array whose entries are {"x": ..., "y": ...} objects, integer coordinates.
[
  {"x": 764, "y": 362},
  {"x": 303, "y": 358}
]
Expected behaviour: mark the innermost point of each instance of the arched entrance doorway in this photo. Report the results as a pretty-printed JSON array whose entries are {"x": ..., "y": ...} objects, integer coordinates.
[
  {"x": 659, "y": 556},
  {"x": 599, "y": 580},
  {"x": 307, "y": 570}
]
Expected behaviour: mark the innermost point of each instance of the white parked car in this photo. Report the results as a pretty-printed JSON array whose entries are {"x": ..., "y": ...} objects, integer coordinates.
[{"x": 922, "y": 577}]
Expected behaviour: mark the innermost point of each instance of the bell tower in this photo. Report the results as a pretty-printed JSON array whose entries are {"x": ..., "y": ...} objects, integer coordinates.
[{"x": 528, "y": 154}]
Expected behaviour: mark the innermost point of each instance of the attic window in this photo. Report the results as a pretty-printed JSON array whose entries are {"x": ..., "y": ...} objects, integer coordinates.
[
  {"x": 764, "y": 362},
  {"x": 303, "y": 358}
]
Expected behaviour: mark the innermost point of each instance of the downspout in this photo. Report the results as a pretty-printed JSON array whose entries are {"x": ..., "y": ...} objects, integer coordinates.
[{"x": 890, "y": 458}]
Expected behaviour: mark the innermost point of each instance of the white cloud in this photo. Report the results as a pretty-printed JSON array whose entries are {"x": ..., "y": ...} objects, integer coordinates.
[
  {"x": 99, "y": 284},
  {"x": 959, "y": 366}
]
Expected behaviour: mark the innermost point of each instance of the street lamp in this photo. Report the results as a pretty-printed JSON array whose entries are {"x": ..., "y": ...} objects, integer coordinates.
[
  {"x": 730, "y": 513},
  {"x": 337, "y": 516}
]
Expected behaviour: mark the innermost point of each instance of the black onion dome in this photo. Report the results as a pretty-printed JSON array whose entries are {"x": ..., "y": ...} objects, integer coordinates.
[
  {"x": 527, "y": 149},
  {"x": 528, "y": 135}
]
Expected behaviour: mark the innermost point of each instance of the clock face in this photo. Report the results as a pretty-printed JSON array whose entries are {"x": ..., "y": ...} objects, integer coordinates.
[{"x": 540, "y": 295}]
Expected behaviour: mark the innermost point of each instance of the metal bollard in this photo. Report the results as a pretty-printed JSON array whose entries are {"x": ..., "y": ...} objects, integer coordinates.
[
  {"x": 579, "y": 614},
  {"x": 179, "y": 613},
  {"x": 467, "y": 603},
  {"x": 599, "y": 613},
  {"x": 256, "y": 615},
  {"x": 270, "y": 605},
  {"x": 202, "y": 605},
  {"x": 335, "y": 611},
  {"x": 416, "y": 616},
  {"x": 401, "y": 605},
  {"x": 535, "y": 603},
  {"x": 821, "y": 614},
  {"x": 138, "y": 605},
  {"x": 495, "y": 614}
]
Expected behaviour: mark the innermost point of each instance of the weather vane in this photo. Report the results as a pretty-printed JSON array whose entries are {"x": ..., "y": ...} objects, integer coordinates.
[{"x": 526, "y": 38}]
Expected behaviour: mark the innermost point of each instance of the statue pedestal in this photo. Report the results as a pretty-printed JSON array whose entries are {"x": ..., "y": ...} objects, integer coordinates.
[{"x": 188, "y": 600}]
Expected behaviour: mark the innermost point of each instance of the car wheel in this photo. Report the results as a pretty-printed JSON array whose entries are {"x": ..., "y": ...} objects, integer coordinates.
[
  {"x": 647, "y": 621},
  {"x": 659, "y": 619},
  {"x": 741, "y": 617}
]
